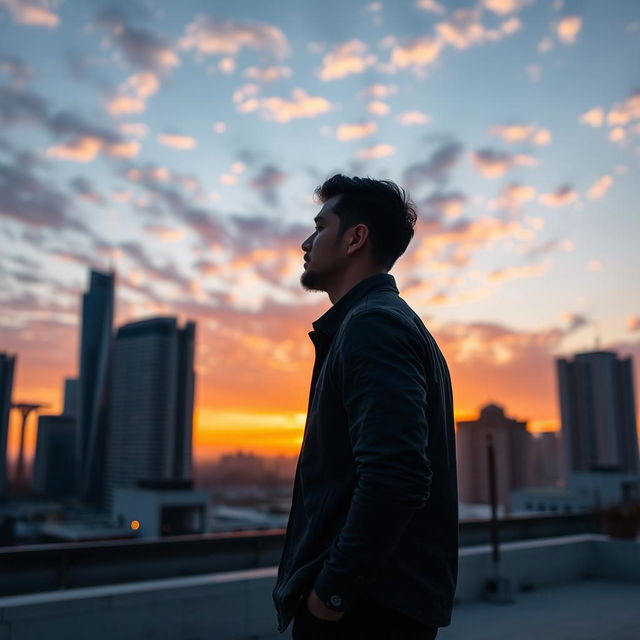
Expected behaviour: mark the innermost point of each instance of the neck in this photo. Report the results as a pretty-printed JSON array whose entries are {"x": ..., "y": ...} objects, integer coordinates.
[{"x": 350, "y": 280}]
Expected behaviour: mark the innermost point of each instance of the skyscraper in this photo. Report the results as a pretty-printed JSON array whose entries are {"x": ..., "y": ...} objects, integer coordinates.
[
  {"x": 511, "y": 441},
  {"x": 598, "y": 413},
  {"x": 95, "y": 351},
  {"x": 54, "y": 465},
  {"x": 7, "y": 366},
  {"x": 151, "y": 403}
]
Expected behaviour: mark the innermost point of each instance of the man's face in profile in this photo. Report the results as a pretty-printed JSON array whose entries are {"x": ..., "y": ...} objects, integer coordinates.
[{"x": 323, "y": 259}]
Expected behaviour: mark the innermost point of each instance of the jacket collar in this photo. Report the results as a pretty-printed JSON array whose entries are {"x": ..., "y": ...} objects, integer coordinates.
[{"x": 330, "y": 322}]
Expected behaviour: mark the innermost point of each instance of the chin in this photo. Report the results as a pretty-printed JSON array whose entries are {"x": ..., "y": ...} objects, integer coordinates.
[{"x": 310, "y": 281}]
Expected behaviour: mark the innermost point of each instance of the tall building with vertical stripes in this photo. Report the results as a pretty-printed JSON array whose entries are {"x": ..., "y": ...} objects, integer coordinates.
[
  {"x": 7, "y": 366},
  {"x": 151, "y": 403},
  {"x": 598, "y": 413},
  {"x": 93, "y": 384}
]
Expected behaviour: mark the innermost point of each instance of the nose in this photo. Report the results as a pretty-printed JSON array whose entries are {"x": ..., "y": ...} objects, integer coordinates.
[{"x": 306, "y": 245}]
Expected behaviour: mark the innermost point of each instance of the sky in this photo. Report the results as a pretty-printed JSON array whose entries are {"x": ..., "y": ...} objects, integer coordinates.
[{"x": 180, "y": 144}]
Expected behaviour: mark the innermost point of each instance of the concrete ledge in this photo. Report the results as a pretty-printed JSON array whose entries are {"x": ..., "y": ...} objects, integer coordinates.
[{"x": 237, "y": 605}]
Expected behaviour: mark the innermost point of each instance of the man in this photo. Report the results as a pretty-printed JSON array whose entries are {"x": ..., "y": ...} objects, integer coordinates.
[{"x": 371, "y": 544}]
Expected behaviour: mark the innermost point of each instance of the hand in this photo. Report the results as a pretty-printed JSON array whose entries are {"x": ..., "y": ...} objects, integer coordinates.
[{"x": 317, "y": 608}]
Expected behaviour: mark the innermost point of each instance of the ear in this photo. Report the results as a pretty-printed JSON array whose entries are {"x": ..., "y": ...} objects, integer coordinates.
[{"x": 357, "y": 238}]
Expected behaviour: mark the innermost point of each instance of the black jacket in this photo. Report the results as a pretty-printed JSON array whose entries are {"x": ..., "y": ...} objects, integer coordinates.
[{"x": 375, "y": 509}]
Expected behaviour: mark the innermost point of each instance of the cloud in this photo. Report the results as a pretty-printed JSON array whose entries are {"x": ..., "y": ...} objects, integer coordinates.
[
  {"x": 81, "y": 141},
  {"x": 356, "y": 131},
  {"x": 176, "y": 141},
  {"x": 132, "y": 94},
  {"x": 415, "y": 117},
  {"x": 600, "y": 187},
  {"x": 418, "y": 53},
  {"x": 594, "y": 117},
  {"x": 492, "y": 163},
  {"x": 26, "y": 198},
  {"x": 522, "y": 133},
  {"x": 32, "y": 12},
  {"x": 444, "y": 205},
  {"x": 633, "y": 323},
  {"x": 377, "y": 151},
  {"x": 267, "y": 182},
  {"x": 505, "y": 7},
  {"x": 430, "y": 5},
  {"x": 568, "y": 28},
  {"x": 378, "y": 108},
  {"x": 208, "y": 35},
  {"x": 437, "y": 167},
  {"x": 301, "y": 105},
  {"x": 267, "y": 75},
  {"x": 345, "y": 59},
  {"x": 513, "y": 196},
  {"x": 18, "y": 70},
  {"x": 379, "y": 91},
  {"x": 141, "y": 48},
  {"x": 517, "y": 273},
  {"x": 560, "y": 197},
  {"x": 83, "y": 187}
]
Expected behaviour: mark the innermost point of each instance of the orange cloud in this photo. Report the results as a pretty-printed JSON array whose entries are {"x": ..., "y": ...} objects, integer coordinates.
[
  {"x": 378, "y": 108},
  {"x": 504, "y": 7},
  {"x": 418, "y": 53},
  {"x": 594, "y": 117},
  {"x": 513, "y": 196},
  {"x": 568, "y": 28},
  {"x": 377, "y": 151},
  {"x": 522, "y": 133},
  {"x": 209, "y": 35},
  {"x": 379, "y": 91},
  {"x": 493, "y": 164},
  {"x": 414, "y": 117},
  {"x": 517, "y": 273},
  {"x": 633, "y": 323},
  {"x": 560, "y": 197},
  {"x": 176, "y": 141},
  {"x": 345, "y": 59},
  {"x": 356, "y": 131},
  {"x": 600, "y": 187},
  {"x": 301, "y": 105},
  {"x": 82, "y": 149},
  {"x": 30, "y": 13},
  {"x": 430, "y": 5}
]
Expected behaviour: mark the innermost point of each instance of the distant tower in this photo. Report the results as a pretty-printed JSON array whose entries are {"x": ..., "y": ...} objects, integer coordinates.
[
  {"x": 54, "y": 465},
  {"x": 598, "y": 412},
  {"x": 511, "y": 444},
  {"x": 151, "y": 406},
  {"x": 7, "y": 367},
  {"x": 95, "y": 349}
]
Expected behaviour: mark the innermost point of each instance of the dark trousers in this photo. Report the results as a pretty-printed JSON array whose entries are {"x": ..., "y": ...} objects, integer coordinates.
[{"x": 366, "y": 620}]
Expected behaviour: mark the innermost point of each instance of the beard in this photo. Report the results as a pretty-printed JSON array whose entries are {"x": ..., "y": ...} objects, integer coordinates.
[{"x": 310, "y": 280}]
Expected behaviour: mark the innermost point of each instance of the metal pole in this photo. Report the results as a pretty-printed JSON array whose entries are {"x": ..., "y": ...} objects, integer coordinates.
[{"x": 495, "y": 540}]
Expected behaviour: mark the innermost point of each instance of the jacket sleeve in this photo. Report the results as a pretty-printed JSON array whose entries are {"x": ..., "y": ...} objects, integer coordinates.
[{"x": 384, "y": 387}]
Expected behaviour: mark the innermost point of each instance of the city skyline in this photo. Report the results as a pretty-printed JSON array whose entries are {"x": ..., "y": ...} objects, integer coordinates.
[{"x": 182, "y": 147}]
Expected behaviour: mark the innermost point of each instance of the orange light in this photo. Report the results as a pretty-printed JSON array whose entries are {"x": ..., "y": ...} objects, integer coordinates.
[{"x": 135, "y": 525}]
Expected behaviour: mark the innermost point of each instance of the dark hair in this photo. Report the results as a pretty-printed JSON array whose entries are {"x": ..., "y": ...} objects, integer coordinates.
[{"x": 381, "y": 205}]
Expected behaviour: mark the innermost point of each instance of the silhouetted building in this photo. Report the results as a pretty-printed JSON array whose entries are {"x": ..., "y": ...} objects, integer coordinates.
[
  {"x": 545, "y": 459},
  {"x": 70, "y": 397},
  {"x": 54, "y": 464},
  {"x": 151, "y": 406},
  {"x": 511, "y": 442},
  {"x": 93, "y": 383},
  {"x": 7, "y": 366},
  {"x": 598, "y": 414}
]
